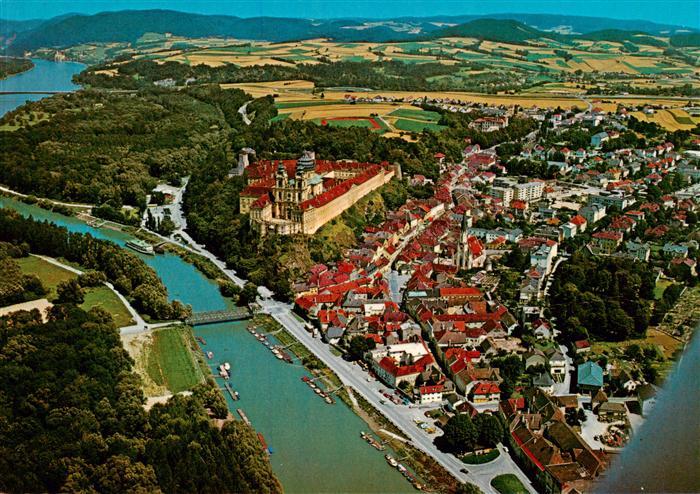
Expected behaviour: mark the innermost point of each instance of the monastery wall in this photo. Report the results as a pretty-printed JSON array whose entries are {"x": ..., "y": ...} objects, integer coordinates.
[{"x": 315, "y": 218}]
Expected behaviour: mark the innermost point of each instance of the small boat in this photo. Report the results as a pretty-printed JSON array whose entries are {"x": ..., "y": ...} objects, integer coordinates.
[
  {"x": 140, "y": 246},
  {"x": 263, "y": 443},
  {"x": 201, "y": 340},
  {"x": 401, "y": 468},
  {"x": 305, "y": 379},
  {"x": 210, "y": 355},
  {"x": 279, "y": 356},
  {"x": 227, "y": 366},
  {"x": 317, "y": 391},
  {"x": 391, "y": 461},
  {"x": 329, "y": 400}
]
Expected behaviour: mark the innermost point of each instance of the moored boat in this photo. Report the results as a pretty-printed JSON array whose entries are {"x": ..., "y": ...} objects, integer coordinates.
[{"x": 140, "y": 246}]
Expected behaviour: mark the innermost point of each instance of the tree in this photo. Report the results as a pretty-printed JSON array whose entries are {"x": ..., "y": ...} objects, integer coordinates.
[
  {"x": 248, "y": 294},
  {"x": 460, "y": 435},
  {"x": 468, "y": 488},
  {"x": 70, "y": 292},
  {"x": 359, "y": 345},
  {"x": 490, "y": 429}
]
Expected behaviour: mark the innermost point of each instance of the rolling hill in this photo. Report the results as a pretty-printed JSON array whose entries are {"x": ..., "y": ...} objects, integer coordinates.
[
  {"x": 129, "y": 25},
  {"x": 504, "y": 30}
]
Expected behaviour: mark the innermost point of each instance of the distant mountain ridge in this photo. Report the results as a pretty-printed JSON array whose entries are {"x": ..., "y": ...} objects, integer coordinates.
[{"x": 129, "y": 25}]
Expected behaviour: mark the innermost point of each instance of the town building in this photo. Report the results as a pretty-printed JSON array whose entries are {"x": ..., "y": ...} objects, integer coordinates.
[{"x": 528, "y": 191}]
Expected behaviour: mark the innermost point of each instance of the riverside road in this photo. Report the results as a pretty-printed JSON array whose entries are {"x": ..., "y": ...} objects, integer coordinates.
[{"x": 400, "y": 415}]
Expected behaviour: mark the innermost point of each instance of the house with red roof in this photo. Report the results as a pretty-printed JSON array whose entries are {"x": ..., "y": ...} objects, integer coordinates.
[
  {"x": 430, "y": 394},
  {"x": 607, "y": 241},
  {"x": 485, "y": 392}
]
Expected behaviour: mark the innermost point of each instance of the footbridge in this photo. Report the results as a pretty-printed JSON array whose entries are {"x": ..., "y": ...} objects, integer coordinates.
[{"x": 217, "y": 316}]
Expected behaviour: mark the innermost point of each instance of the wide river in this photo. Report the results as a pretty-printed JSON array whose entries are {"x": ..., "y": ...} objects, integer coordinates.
[{"x": 317, "y": 447}]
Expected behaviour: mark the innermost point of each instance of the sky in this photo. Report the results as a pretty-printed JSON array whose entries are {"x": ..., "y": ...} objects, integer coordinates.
[{"x": 679, "y": 12}]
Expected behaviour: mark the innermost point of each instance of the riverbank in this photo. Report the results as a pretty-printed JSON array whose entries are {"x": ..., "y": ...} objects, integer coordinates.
[
  {"x": 10, "y": 66},
  {"x": 431, "y": 474}
]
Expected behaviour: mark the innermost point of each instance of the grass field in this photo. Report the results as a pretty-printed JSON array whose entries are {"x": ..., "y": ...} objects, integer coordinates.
[
  {"x": 480, "y": 459},
  {"x": 416, "y": 125},
  {"x": 661, "y": 285},
  {"x": 170, "y": 359},
  {"x": 424, "y": 115},
  {"x": 49, "y": 274},
  {"x": 508, "y": 484},
  {"x": 105, "y": 298}
]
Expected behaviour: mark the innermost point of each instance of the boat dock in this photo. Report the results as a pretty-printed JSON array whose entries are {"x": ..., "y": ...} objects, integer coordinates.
[
  {"x": 243, "y": 416},
  {"x": 217, "y": 316},
  {"x": 234, "y": 394},
  {"x": 318, "y": 390}
]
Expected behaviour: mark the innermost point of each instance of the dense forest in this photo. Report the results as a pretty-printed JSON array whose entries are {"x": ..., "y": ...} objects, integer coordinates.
[
  {"x": 389, "y": 75},
  {"x": 10, "y": 66},
  {"x": 607, "y": 299},
  {"x": 72, "y": 418},
  {"x": 129, "y": 274},
  {"x": 16, "y": 287},
  {"x": 100, "y": 148}
]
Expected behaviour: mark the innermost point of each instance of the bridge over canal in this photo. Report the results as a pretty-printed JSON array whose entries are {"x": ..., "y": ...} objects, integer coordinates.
[{"x": 217, "y": 316}]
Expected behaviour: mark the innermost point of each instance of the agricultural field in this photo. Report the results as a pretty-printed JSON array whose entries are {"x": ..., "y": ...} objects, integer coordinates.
[
  {"x": 390, "y": 119},
  {"x": 541, "y": 56},
  {"x": 671, "y": 119}
]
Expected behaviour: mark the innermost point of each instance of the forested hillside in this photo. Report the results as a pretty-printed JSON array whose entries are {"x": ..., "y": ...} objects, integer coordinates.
[
  {"x": 10, "y": 66},
  {"x": 72, "y": 418},
  {"x": 380, "y": 75},
  {"x": 101, "y": 148}
]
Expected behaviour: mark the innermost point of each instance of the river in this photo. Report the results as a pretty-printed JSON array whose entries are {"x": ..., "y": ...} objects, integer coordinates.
[
  {"x": 665, "y": 455},
  {"x": 45, "y": 76},
  {"x": 317, "y": 447}
]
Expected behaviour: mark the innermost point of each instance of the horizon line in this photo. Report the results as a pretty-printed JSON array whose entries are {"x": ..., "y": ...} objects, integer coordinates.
[{"x": 358, "y": 18}]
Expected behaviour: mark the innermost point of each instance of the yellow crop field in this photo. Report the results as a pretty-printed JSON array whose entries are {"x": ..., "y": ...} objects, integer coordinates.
[
  {"x": 340, "y": 110},
  {"x": 666, "y": 119}
]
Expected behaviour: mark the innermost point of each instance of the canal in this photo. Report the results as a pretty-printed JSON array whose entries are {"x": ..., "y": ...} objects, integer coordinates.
[{"x": 317, "y": 447}]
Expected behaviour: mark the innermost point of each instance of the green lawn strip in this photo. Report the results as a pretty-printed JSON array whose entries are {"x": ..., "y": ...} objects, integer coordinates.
[
  {"x": 473, "y": 459},
  {"x": 104, "y": 297},
  {"x": 299, "y": 104},
  {"x": 416, "y": 126},
  {"x": 171, "y": 360},
  {"x": 280, "y": 117},
  {"x": 425, "y": 115},
  {"x": 508, "y": 484}
]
